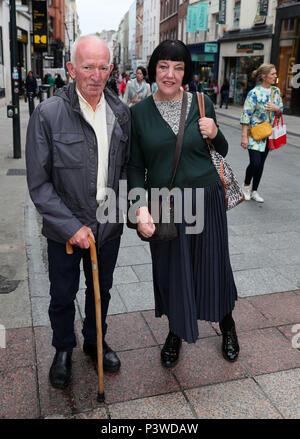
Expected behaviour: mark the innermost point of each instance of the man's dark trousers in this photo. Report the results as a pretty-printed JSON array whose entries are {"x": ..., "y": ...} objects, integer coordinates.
[{"x": 64, "y": 274}]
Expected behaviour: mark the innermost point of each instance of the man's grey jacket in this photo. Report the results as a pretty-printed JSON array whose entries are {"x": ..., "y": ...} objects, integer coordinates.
[{"x": 62, "y": 163}]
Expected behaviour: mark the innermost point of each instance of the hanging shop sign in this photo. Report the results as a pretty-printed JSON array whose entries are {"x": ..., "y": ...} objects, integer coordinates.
[
  {"x": 197, "y": 17},
  {"x": 204, "y": 57},
  {"x": 222, "y": 11},
  {"x": 249, "y": 47},
  {"x": 210, "y": 48},
  {"x": 40, "y": 29}
]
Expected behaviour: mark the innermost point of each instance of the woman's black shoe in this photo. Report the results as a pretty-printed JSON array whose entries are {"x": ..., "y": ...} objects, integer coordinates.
[
  {"x": 230, "y": 345},
  {"x": 60, "y": 371},
  {"x": 170, "y": 351}
]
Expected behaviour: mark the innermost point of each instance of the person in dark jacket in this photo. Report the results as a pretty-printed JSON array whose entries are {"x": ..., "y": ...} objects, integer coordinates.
[
  {"x": 195, "y": 85},
  {"x": 31, "y": 90},
  {"x": 76, "y": 150},
  {"x": 225, "y": 93},
  {"x": 59, "y": 82}
]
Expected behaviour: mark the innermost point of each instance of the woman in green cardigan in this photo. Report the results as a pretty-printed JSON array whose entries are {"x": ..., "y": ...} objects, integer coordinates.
[{"x": 192, "y": 275}]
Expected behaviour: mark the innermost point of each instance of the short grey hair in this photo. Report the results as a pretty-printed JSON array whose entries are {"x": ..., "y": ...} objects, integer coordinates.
[{"x": 83, "y": 37}]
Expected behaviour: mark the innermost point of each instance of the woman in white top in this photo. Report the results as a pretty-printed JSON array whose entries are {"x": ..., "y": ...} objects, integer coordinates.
[{"x": 137, "y": 89}]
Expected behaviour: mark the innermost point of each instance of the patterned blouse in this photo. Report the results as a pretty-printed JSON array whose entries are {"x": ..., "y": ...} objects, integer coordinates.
[
  {"x": 171, "y": 110},
  {"x": 255, "y": 112}
]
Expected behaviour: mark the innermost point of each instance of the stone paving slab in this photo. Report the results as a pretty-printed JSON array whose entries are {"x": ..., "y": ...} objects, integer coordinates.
[
  {"x": 170, "y": 406},
  {"x": 283, "y": 389},
  {"x": 18, "y": 388},
  {"x": 281, "y": 308},
  {"x": 241, "y": 399}
]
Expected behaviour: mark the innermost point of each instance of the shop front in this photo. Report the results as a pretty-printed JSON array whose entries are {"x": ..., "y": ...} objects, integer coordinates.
[
  {"x": 286, "y": 55},
  {"x": 240, "y": 55},
  {"x": 205, "y": 60}
]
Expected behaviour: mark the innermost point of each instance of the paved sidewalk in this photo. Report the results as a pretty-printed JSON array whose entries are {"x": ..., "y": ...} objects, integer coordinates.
[{"x": 264, "y": 249}]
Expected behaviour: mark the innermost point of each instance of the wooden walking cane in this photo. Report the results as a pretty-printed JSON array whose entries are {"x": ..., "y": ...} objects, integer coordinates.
[{"x": 94, "y": 261}]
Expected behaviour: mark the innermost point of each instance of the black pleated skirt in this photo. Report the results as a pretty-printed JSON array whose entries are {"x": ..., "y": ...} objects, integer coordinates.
[{"x": 192, "y": 275}]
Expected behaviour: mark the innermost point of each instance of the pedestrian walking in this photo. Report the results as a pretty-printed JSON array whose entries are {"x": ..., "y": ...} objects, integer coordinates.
[
  {"x": 192, "y": 276},
  {"x": 51, "y": 83},
  {"x": 59, "y": 82},
  {"x": 122, "y": 88},
  {"x": 261, "y": 105},
  {"x": 137, "y": 89},
  {"x": 112, "y": 83},
  {"x": 31, "y": 90},
  {"x": 225, "y": 94},
  {"x": 195, "y": 85},
  {"x": 77, "y": 146},
  {"x": 214, "y": 86}
]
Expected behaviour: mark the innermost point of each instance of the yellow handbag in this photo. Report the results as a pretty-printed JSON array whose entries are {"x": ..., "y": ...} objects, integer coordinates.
[{"x": 262, "y": 130}]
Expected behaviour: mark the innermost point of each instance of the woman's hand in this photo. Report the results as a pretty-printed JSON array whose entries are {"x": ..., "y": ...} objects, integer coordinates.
[
  {"x": 208, "y": 127},
  {"x": 244, "y": 142},
  {"x": 145, "y": 226},
  {"x": 134, "y": 100},
  {"x": 272, "y": 107}
]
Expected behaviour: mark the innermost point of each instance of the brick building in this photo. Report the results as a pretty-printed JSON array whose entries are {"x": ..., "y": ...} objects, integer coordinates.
[
  {"x": 139, "y": 28},
  {"x": 182, "y": 20},
  {"x": 286, "y": 52},
  {"x": 168, "y": 20},
  {"x": 56, "y": 19}
]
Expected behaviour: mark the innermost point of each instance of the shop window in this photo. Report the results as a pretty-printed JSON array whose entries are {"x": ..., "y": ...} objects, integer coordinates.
[
  {"x": 239, "y": 72},
  {"x": 289, "y": 54}
]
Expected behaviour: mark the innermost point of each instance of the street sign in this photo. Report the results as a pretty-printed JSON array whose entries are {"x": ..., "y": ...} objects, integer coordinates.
[
  {"x": 40, "y": 28},
  {"x": 210, "y": 48}
]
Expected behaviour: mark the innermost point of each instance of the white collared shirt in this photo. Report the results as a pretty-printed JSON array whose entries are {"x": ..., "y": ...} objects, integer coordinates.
[{"x": 97, "y": 119}]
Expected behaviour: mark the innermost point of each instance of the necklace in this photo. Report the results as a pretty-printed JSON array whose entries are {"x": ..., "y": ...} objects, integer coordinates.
[{"x": 177, "y": 97}]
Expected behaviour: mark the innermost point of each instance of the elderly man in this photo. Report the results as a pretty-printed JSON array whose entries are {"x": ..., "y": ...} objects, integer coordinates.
[{"x": 77, "y": 146}]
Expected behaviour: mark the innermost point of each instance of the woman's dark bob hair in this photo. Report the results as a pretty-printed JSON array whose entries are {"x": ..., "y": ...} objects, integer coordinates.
[{"x": 171, "y": 50}]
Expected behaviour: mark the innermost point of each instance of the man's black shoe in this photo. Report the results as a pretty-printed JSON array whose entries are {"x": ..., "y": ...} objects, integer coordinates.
[
  {"x": 230, "y": 345},
  {"x": 60, "y": 371},
  {"x": 170, "y": 351},
  {"x": 111, "y": 362}
]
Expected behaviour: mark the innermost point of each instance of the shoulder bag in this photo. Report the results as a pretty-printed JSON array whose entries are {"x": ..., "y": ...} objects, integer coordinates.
[
  {"x": 166, "y": 231},
  {"x": 264, "y": 129},
  {"x": 233, "y": 192}
]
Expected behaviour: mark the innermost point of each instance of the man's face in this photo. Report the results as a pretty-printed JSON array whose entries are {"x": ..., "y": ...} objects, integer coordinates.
[{"x": 92, "y": 68}]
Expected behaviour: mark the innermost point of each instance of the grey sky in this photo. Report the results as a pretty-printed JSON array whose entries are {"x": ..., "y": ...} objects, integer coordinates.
[{"x": 98, "y": 15}]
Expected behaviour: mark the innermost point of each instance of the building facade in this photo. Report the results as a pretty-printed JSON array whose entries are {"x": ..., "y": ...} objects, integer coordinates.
[
  {"x": 122, "y": 44},
  {"x": 246, "y": 43},
  {"x": 203, "y": 44},
  {"x": 132, "y": 34},
  {"x": 72, "y": 30},
  {"x": 286, "y": 53},
  {"x": 168, "y": 29},
  {"x": 23, "y": 21}
]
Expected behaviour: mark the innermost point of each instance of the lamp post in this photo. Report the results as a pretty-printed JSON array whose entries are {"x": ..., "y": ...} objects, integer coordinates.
[{"x": 14, "y": 82}]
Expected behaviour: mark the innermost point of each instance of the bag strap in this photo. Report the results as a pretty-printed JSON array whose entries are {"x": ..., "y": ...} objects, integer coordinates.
[
  {"x": 179, "y": 137},
  {"x": 201, "y": 107}
]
